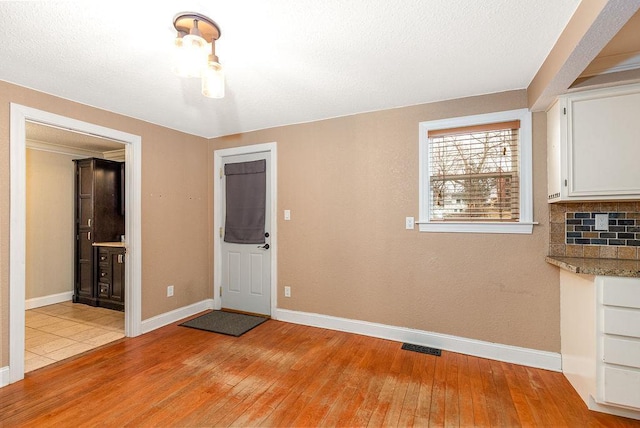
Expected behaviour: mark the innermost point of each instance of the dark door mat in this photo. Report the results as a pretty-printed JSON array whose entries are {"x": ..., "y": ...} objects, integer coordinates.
[
  {"x": 421, "y": 349},
  {"x": 230, "y": 323}
]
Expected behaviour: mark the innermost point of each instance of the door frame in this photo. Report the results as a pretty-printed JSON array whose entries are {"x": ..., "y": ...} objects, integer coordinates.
[
  {"x": 17, "y": 243},
  {"x": 218, "y": 156}
]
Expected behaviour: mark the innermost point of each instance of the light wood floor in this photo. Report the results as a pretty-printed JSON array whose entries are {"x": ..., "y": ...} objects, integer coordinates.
[
  {"x": 281, "y": 374},
  {"x": 56, "y": 332}
]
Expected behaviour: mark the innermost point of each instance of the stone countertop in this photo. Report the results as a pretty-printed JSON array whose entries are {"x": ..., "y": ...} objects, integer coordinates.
[
  {"x": 116, "y": 244},
  {"x": 601, "y": 267}
]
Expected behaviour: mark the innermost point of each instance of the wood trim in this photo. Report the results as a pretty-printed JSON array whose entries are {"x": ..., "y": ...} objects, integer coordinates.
[
  {"x": 175, "y": 315},
  {"x": 65, "y": 150},
  {"x": 37, "y": 302},
  {"x": 513, "y": 354},
  {"x": 4, "y": 376},
  {"x": 479, "y": 348},
  {"x": 525, "y": 223},
  {"x": 19, "y": 114}
]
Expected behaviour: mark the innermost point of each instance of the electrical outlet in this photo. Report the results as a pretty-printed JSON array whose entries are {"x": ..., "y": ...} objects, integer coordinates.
[
  {"x": 602, "y": 222},
  {"x": 169, "y": 290},
  {"x": 287, "y": 291},
  {"x": 409, "y": 223}
]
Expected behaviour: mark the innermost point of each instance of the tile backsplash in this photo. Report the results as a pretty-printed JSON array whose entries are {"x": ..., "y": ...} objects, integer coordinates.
[
  {"x": 581, "y": 229},
  {"x": 573, "y": 234}
]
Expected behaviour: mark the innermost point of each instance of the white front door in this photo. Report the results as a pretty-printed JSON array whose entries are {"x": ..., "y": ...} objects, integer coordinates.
[{"x": 246, "y": 268}]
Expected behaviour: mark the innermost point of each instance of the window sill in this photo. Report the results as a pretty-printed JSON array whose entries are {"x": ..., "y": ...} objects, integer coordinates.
[{"x": 473, "y": 227}]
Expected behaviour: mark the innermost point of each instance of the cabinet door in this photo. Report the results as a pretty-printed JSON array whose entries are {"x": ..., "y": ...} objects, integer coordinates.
[
  {"x": 84, "y": 279},
  {"x": 117, "y": 276},
  {"x": 603, "y": 147},
  {"x": 622, "y": 386},
  {"x": 84, "y": 288},
  {"x": 556, "y": 132},
  {"x": 109, "y": 221},
  {"x": 103, "y": 291},
  {"x": 85, "y": 194}
]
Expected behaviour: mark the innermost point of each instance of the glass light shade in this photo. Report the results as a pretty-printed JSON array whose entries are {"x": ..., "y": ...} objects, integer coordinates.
[
  {"x": 213, "y": 80},
  {"x": 190, "y": 55}
]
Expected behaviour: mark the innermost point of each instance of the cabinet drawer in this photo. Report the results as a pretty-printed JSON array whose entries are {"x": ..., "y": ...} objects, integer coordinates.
[
  {"x": 103, "y": 289},
  {"x": 104, "y": 274},
  {"x": 622, "y": 386},
  {"x": 103, "y": 257},
  {"x": 625, "y": 322},
  {"x": 621, "y": 351},
  {"x": 622, "y": 292}
]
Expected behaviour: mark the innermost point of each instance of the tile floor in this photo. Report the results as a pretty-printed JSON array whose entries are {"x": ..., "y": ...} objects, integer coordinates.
[{"x": 56, "y": 332}]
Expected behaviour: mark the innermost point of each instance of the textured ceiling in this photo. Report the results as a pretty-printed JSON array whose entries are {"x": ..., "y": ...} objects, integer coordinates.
[{"x": 286, "y": 61}]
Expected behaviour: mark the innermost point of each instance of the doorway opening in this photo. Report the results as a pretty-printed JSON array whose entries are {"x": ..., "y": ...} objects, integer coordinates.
[
  {"x": 20, "y": 117},
  {"x": 56, "y": 327}
]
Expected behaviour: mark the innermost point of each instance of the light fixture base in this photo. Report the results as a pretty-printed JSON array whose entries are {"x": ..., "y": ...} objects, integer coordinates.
[{"x": 184, "y": 22}]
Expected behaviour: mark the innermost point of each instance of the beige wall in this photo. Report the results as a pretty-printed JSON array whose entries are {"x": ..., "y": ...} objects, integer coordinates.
[
  {"x": 50, "y": 190},
  {"x": 175, "y": 206},
  {"x": 350, "y": 182}
]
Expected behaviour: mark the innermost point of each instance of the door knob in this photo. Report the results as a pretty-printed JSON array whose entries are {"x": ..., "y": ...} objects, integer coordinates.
[{"x": 265, "y": 246}]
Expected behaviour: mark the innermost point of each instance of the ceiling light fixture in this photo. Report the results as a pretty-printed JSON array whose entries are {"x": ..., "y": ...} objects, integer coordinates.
[{"x": 194, "y": 56}]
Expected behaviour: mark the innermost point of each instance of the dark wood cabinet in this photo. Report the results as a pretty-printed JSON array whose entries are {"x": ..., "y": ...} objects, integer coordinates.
[
  {"x": 110, "y": 277},
  {"x": 99, "y": 218},
  {"x": 84, "y": 291}
]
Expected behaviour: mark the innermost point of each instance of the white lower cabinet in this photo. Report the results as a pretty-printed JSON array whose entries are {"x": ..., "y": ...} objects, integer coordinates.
[
  {"x": 621, "y": 386},
  {"x": 618, "y": 346},
  {"x": 600, "y": 341},
  {"x": 620, "y": 350},
  {"x": 621, "y": 321}
]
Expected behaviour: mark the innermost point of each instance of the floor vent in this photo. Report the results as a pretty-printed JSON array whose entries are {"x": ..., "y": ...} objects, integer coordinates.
[{"x": 421, "y": 349}]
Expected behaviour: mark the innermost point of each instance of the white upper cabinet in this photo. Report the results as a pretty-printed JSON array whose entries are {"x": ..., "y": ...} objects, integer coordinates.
[{"x": 593, "y": 145}]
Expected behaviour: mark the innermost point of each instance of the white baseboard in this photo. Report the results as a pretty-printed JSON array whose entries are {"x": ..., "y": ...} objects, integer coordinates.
[
  {"x": 495, "y": 351},
  {"x": 175, "y": 315},
  {"x": 4, "y": 376},
  {"x": 612, "y": 410},
  {"x": 51, "y": 299}
]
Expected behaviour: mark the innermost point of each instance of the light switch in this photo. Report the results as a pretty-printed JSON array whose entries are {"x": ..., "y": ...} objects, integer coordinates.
[
  {"x": 602, "y": 222},
  {"x": 409, "y": 223},
  {"x": 287, "y": 214}
]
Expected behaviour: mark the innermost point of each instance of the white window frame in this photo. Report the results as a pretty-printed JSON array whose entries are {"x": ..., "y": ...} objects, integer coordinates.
[{"x": 525, "y": 223}]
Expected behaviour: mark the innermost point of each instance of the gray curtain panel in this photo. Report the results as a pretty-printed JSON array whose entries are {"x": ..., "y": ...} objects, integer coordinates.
[{"x": 246, "y": 202}]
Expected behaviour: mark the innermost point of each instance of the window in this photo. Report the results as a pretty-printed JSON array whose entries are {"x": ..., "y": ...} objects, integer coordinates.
[{"x": 475, "y": 174}]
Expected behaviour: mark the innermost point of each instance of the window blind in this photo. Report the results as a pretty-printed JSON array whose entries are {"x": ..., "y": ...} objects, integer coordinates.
[{"x": 473, "y": 173}]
